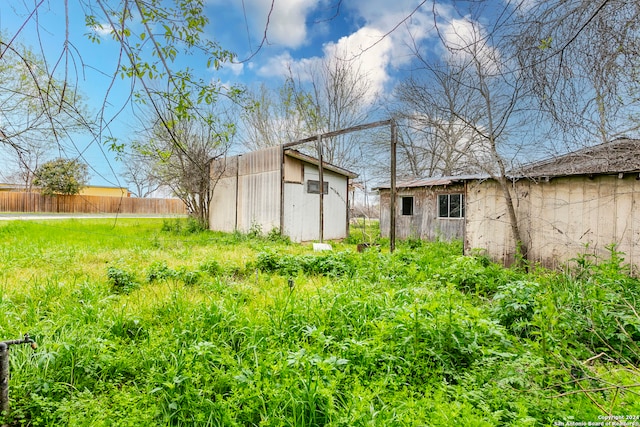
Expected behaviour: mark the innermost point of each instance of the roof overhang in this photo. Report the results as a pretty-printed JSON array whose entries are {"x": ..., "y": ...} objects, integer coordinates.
[
  {"x": 434, "y": 182},
  {"x": 314, "y": 161}
]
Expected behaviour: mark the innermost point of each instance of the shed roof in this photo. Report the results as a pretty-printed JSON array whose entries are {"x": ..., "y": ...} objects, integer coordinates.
[
  {"x": 621, "y": 155},
  {"x": 314, "y": 161},
  {"x": 618, "y": 156},
  {"x": 434, "y": 181}
]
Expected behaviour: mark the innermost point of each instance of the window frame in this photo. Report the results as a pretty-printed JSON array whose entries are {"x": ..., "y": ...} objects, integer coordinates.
[
  {"x": 450, "y": 207},
  {"x": 313, "y": 186},
  {"x": 402, "y": 205}
]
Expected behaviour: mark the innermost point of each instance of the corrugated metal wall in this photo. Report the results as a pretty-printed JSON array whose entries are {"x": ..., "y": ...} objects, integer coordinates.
[
  {"x": 302, "y": 209},
  {"x": 248, "y": 193},
  {"x": 224, "y": 179},
  {"x": 248, "y": 196}
]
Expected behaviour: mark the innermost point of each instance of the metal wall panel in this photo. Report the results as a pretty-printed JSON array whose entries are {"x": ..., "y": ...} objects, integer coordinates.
[
  {"x": 250, "y": 199},
  {"x": 302, "y": 209}
]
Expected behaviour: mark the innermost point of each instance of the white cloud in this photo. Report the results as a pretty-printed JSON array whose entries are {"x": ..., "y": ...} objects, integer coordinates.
[
  {"x": 370, "y": 52},
  {"x": 287, "y": 21},
  {"x": 237, "y": 68},
  {"x": 465, "y": 40},
  {"x": 284, "y": 64},
  {"x": 102, "y": 30},
  {"x": 366, "y": 49}
]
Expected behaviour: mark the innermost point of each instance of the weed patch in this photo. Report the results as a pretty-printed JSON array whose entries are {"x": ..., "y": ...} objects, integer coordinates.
[{"x": 192, "y": 327}]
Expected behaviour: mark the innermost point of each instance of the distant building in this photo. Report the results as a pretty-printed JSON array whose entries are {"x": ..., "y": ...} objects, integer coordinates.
[
  {"x": 276, "y": 188},
  {"x": 576, "y": 203},
  {"x": 89, "y": 190},
  {"x": 97, "y": 190}
]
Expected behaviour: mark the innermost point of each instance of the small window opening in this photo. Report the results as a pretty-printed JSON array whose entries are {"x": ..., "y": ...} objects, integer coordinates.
[
  {"x": 313, "y": 187},
  {"x": 407, "y": 205}
]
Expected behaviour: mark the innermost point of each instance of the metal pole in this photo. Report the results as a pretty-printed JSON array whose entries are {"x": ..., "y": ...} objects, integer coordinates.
[
  {"x": 4, "y": 371},
  {"x": 282, "y": 189},
  {"x": 392, "y": 201},
  {"x": 4, "y": 379},
  {"x": 235, "y": 225},
  {"x": 321, "y": 179}
]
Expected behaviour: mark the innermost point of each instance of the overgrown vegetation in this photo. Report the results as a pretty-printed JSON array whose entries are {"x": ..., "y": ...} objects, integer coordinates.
[{"x": 142, "y": 324}]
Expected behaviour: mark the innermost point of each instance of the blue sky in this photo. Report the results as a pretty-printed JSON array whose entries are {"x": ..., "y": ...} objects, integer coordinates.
[{"x": 376, "y": 33}]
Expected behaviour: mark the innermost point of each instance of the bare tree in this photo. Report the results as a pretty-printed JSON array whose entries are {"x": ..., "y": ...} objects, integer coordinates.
[
  {"x": 339, "y": 95},
  {"x": 179, "y": 150},
  {"x": 435, "y": 142},
  {"x": 474, "y": 98},
  {"x": 139, "y": 174},
  {"x": 271, "y": 118},
  {"x": 334, "y": 95},
  {"x": 37, "y": 112},
  {"x": 580, "y": 58}
]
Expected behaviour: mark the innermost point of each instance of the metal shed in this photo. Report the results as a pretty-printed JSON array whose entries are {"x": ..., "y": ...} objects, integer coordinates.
[{"x": 277, "y": 188}]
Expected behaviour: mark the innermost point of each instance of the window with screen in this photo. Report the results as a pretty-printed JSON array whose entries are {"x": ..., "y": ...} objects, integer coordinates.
[
  {"x": 407, "y": 205},
  {"x": 451, "y": 206}
]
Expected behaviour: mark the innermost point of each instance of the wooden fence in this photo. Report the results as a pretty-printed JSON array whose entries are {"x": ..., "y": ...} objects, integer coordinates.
[{"x": 35, "y": 202}]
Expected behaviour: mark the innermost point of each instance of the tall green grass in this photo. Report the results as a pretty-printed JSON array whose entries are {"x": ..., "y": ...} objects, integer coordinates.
[{"x": 151, "y": 322}]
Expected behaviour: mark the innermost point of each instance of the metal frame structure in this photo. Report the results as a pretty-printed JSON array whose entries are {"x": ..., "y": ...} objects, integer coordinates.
[{"x": 318, "y": 138}]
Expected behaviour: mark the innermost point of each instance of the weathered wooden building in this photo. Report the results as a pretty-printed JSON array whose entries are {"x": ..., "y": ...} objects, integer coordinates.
[
  {"x": 279, "y": 188},
  {"x": 581, "y": 202},
  {"x": 429, "y": 209}
]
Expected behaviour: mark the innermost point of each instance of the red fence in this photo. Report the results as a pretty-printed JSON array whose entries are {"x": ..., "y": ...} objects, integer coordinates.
[{"x": 35, "y": 202}]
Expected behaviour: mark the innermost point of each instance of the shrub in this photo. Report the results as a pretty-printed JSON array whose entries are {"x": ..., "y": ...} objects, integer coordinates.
[
  {"x": 159, "y": 271},
  {"x": 121, "y": 281},
  {"x": 211, "y": 267},
  {"x": 514, "y": 305}
]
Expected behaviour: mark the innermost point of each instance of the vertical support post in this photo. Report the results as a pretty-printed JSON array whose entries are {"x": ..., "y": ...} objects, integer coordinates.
[
  {"x": 4, "y": 379},
  {"x": 348, "y": 206},
  {"x": 235, "y": 225},
  {"x": 321, "y": 179},
  {"x": 281, "y": 190},
  {"x": 392, "y": 199}
]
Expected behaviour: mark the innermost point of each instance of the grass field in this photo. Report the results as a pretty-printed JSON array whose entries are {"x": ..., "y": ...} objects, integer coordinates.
[{"x": 146, "y": 322}]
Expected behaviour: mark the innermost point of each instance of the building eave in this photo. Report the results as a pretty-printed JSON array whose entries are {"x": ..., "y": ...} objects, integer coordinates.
[{"x": 314, "y": 161}]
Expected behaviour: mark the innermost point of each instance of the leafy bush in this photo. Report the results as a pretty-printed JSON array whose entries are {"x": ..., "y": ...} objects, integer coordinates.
[
  {"x": 122, "y": 282},
  {"x": 514, "y": 305},
  {"x": 189, "y": 277},
  {"x": 334, "y": 264},
  {"x": 211, "y": 267},
  {"x": 474, "y": 274},
  {"x": 159, "y": 271},
  {"x": 184, "y": 226}
]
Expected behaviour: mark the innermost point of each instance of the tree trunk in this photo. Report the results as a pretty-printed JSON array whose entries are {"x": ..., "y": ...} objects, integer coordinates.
[{"x": 521, "y": 247}]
